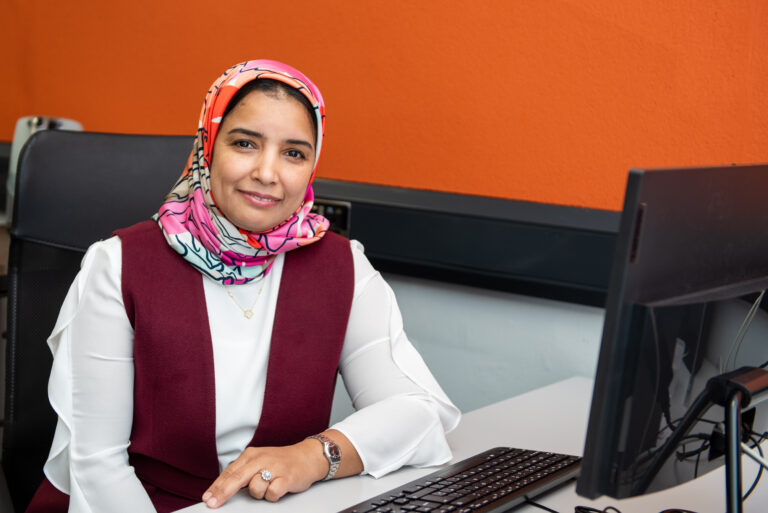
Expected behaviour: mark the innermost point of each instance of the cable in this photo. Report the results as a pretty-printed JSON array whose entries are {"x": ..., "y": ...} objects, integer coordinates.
[
  {"x": 684, "y": 454},
  {"x": 660, "y": 455},
  {"x": 588, "y": 509},
  {"x": 704, "y": 446},
  {"x": 746, "y": 323},
  {"x": 541, "y": 506},
  {"x": 745, "y": 448},
  {"x": 675, "y": 421},
  {"x": 754, "y": 455}
]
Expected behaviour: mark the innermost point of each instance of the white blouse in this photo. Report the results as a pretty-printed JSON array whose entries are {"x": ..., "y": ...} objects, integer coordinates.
[{"x": 402, "y": 413}]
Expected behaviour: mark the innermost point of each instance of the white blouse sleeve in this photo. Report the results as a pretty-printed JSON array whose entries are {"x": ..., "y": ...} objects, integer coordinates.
[
  {"x": 402, "y": 413},
  {"x": 91, "y": 390}
]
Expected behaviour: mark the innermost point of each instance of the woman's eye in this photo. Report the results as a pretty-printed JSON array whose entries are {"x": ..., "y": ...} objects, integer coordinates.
[
  {"x": 295, "y": 154},
  {"x": 243, "y": 144}
]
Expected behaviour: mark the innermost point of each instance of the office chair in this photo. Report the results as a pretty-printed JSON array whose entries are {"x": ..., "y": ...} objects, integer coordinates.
[
  {"x": 73, "y": 188},
  {"x": 25, "y": 128}
]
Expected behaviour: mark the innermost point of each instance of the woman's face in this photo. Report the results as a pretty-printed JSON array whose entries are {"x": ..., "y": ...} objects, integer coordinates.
[{"x": 262, "y": 160}]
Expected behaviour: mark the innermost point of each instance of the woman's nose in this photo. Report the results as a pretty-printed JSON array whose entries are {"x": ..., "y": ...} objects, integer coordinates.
[{"x": 265, "y": 168}]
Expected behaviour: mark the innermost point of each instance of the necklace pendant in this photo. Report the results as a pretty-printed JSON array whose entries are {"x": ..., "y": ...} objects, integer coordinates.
[{"x": 248, "y": 313}]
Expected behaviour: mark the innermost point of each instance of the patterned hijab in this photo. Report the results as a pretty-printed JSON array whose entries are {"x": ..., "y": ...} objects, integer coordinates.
[{"x": 194, "y": 225}]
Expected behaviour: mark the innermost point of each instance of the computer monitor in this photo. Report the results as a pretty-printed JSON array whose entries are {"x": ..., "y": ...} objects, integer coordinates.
[{"x": 690, "y": 261}]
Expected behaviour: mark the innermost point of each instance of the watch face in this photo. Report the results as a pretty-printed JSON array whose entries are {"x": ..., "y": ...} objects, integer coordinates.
[{"x": 333, "y": 451}]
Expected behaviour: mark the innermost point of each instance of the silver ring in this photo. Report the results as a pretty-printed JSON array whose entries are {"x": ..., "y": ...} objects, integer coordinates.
[{"x": 266, "y": 475}]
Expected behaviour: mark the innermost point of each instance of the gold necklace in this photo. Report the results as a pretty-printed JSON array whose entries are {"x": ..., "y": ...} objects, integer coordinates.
[{"x": 247, "y": 312}]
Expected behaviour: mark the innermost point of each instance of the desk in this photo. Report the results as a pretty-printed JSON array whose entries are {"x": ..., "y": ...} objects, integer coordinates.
[{"x": 552, "y": 418}]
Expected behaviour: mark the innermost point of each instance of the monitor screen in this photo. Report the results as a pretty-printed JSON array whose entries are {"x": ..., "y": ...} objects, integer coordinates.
[{"x": 683, "y": 305}]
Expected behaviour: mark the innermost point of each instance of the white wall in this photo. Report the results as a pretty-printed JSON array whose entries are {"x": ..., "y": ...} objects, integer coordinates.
[{"x": 484, "y": 346}]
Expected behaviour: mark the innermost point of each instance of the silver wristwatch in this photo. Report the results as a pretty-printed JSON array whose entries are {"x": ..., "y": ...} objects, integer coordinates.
[{"x": 332, "y": 453}]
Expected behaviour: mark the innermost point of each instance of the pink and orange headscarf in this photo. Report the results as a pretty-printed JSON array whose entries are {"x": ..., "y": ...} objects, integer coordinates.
[{"x": 194, "y": 225}]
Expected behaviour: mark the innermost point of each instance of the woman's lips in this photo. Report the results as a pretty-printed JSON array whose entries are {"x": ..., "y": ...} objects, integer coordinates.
[{"x": 260, "y": 200}]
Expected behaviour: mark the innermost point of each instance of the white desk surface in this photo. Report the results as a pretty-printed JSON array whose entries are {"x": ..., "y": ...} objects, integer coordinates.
[{"x": 551, "y": 418}]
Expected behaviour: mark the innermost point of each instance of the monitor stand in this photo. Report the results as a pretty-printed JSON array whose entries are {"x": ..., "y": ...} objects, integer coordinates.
[{"x": 734, "y": 391}]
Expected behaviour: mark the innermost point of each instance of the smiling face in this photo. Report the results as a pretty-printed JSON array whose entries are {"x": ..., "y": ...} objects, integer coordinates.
[{"x": 262, "y": 160}]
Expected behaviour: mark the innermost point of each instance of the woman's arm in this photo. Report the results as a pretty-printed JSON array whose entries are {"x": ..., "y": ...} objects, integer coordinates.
[
  {"x": 402, "y": 413},
  {"x": 91, "y": 389}
]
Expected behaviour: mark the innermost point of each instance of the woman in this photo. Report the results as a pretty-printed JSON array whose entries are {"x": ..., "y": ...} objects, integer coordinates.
[{"x": 196, "y": 353}]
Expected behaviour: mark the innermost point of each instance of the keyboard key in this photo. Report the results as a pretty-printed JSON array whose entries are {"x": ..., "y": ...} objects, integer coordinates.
[
  {"x": 441, "y": 499},
  {"x": 466, "y": 499},
  {"x": 421, "y": 493},
  {"x": 362, "y": 509}
]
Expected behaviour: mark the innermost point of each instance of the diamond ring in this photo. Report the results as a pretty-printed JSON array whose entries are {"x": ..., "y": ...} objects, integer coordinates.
[{"x": 266, "y": 475}]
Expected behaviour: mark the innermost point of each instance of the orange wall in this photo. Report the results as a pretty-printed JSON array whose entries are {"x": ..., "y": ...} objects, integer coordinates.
[{"x": 540, "y": 100}]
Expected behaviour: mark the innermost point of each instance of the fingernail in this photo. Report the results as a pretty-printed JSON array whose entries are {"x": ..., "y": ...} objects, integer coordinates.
[
  {"x": 211, "y": 503},
  {"x": 206, "y": 496}
]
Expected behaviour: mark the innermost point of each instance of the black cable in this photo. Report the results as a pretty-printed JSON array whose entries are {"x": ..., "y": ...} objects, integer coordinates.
[
  {"x": 694, "y": 413},
  {"x": 698, "y": 459},
  {"x": 763, "y": 366},
  {"x": 588, "y": 509},
  {"x": 707, "y": 421},
  {"x": 684, "y": 454},
  {"x": 668, "y": 419},
  {"x": 759, "y": 470},
  {"x": 694, "y": 437},
  {"x": 532, "y": 503},
  {"x": 763, "y": 436}
]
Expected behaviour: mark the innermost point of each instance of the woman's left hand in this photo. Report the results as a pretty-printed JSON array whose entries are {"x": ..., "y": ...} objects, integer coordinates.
[{"x": 293, "y": 469}]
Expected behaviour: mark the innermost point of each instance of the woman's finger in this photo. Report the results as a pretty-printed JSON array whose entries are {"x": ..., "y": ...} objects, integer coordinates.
[
  {"x": 237, "y": 475},
  {"x": 259, "y": 484},
  {"x": 277, "y": 488}
]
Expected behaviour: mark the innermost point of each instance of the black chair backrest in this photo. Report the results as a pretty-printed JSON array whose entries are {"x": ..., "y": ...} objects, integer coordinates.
[{"x": 73, "y": 189}]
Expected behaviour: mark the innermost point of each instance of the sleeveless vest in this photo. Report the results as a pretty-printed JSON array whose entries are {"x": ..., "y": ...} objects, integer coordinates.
[{"x": 173, "y": 439}]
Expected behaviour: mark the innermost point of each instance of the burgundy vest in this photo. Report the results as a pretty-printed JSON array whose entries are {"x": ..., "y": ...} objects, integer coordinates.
[{"x": 173, "y": 442}]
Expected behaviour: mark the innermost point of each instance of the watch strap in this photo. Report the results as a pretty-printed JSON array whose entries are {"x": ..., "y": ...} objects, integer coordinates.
[{"x": 332, "y": 453}]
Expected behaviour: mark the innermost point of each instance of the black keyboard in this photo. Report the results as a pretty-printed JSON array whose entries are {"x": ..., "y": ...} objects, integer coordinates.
[{"x": 493, "y": 481}]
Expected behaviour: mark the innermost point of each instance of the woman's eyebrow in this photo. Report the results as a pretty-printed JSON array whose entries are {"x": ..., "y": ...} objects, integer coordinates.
[
  {"x": 245, "y": 131},
  {"x": 300, "y": 142}
]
